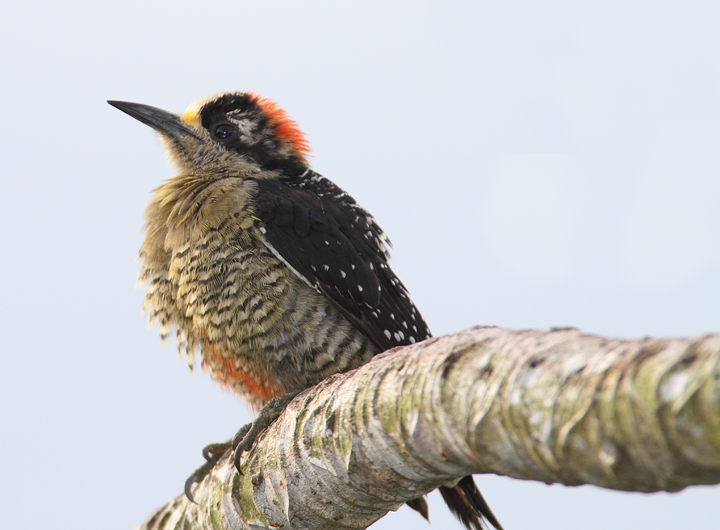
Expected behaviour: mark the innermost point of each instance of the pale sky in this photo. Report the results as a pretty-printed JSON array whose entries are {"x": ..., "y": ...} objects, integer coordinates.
[{"x": 534, "y": 163}]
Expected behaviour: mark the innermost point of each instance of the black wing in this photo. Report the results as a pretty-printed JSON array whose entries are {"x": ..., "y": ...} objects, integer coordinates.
[{"x": 335, "y": 245}]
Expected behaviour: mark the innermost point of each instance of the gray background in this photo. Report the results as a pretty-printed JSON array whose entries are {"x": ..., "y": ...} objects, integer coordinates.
[{"x": 535, "y": 164}]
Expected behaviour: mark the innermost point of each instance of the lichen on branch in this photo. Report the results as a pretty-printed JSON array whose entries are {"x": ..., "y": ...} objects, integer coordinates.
[{"x": 558, "y": 406}]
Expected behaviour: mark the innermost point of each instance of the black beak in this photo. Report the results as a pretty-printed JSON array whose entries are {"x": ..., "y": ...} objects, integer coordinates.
[{"x": 162, "y": 121}]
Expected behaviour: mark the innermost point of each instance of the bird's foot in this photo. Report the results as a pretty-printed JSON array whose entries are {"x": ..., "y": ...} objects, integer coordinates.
[
  {"x": 212, "y": 454},
  {"x": 241, "y": 442},
  {"x": 245, "y": 437}
]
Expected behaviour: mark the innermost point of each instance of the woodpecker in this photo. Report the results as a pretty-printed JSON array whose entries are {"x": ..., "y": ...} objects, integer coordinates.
[{"x": 270, "y": 272}]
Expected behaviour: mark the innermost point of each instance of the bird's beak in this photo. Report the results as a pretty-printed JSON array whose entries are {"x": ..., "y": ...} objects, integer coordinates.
[{"x": 162, "y": 121}]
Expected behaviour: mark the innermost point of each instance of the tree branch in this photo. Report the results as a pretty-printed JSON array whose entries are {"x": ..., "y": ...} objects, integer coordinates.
[{"x": 556, "y": 406}]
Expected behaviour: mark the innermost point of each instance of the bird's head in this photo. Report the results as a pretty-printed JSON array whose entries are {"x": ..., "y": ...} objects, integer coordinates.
[{"x": 230, "y": 133}]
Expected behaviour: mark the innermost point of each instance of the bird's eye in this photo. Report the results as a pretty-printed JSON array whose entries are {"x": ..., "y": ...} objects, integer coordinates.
[{"x": 224, "y": 131}]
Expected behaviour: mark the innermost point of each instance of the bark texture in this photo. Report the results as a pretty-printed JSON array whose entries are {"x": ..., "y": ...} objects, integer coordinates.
[{"x": 558, "y": 406}]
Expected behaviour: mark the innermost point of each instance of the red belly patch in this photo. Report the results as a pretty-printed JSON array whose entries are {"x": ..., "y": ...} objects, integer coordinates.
[{"x": 224, "y": 372}]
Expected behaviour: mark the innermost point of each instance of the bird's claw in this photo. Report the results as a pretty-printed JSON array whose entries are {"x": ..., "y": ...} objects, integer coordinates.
[
  {"x": 212, "y": 454},
  {"x": 245, "y": 437},
  {"x": 199, "y": 474},
  {"x": 241, "y": 442}
]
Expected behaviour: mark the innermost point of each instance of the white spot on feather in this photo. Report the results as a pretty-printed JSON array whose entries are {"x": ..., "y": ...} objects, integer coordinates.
[{"x": 388, "y": 334}]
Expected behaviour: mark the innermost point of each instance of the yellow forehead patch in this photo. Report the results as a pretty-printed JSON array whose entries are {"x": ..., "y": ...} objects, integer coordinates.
[{"x": 191, "y": 117}]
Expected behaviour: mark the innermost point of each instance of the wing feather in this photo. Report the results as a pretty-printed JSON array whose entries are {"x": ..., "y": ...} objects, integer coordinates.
[{"x": 337, "y": 248}]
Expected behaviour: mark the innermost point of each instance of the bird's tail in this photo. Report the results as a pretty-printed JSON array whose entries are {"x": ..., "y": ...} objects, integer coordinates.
[
  {"x": 420, "y": 506},
  {"x": 468, "y": 505}
]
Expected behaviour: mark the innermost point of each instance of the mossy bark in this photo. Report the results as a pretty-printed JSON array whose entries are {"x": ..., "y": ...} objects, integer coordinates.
[{"x": 557, "y": 406}]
